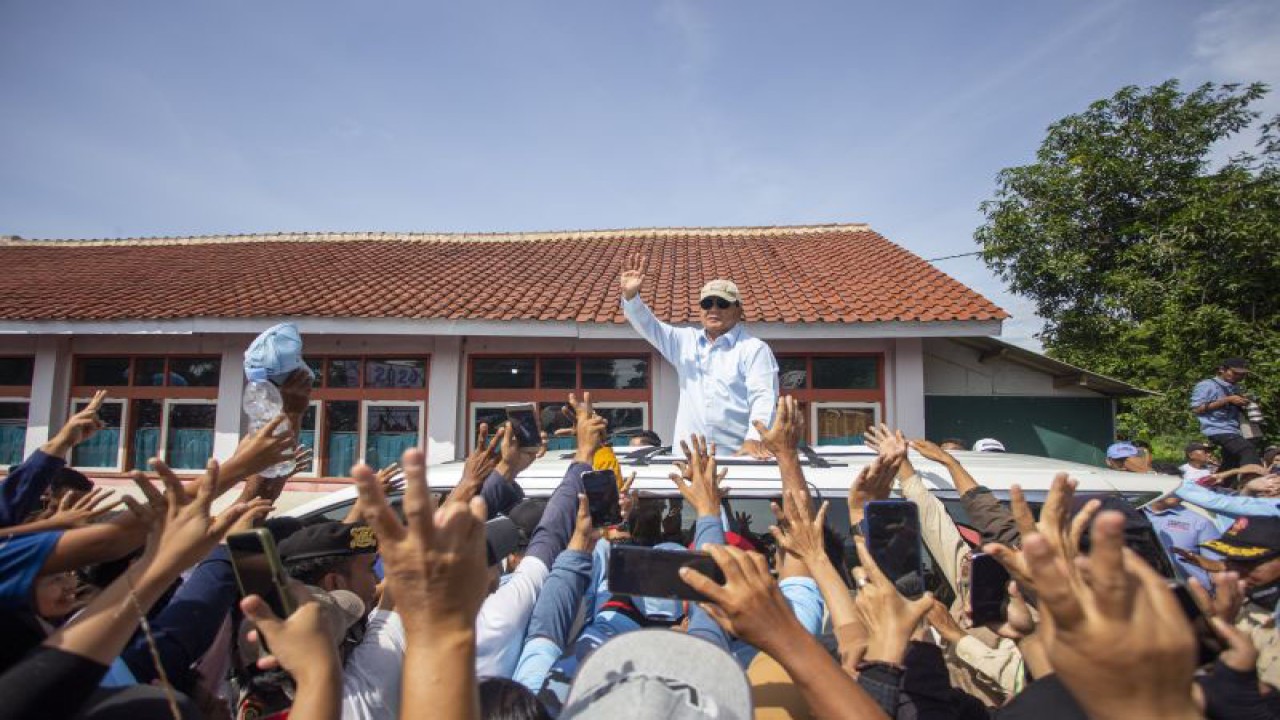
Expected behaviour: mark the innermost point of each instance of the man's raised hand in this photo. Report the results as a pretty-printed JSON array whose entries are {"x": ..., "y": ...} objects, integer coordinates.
[
  {"x": 632, "y": 276},
  {"x": 785, "y": 436}
]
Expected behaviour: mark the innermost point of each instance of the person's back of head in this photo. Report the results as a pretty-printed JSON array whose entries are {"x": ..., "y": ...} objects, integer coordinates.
[
  {"x": 503, "y": 699},
  {"x": 645, "y": 438}
]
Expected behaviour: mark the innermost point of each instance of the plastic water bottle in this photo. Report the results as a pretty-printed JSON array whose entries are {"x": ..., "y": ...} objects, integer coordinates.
[
  {"x": 262, "y": 403},
  {"x": 271, "y": 358}
]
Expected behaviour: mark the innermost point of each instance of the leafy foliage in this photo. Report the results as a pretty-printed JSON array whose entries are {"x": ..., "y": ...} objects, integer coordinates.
[{"x": 1149, "y": 261}]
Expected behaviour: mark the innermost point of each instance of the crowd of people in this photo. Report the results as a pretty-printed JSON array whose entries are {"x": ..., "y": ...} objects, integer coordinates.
[{"x": 125, "y": 608}]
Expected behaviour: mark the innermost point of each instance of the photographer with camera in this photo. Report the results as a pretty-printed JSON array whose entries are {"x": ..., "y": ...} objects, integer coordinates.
[{"x": 1218, "y": 404}]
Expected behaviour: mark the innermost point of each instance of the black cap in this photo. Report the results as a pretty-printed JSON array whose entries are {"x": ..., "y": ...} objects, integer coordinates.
[
  {"x": 1193, "y": 446},
  {"x": 1235, "y": 363},
  {"x": 328, "y": 539},
  {"x": 526, "y": 515},
  {"x": 1250, "y": 538}
]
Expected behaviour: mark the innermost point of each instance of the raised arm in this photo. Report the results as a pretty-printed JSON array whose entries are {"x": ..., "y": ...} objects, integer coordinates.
[
  {"x": 659, "y": 334},
  {"x": 21, "y": 490},
  {"x": 783, "y": 439},
  {"x": 751, "y": 606},
  {"x": 762, "y": 390},
  {"x": 1233, "y": 505}
]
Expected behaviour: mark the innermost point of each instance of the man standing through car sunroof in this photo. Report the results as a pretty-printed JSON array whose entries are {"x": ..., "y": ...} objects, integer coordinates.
[{"x": 727, "y": 377}]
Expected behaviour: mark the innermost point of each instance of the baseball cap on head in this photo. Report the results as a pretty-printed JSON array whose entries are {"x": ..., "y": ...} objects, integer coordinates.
[
  {"x": 725, "y": 289},
  {"x": 1250, "y": 538},
  {"x": 1122, "y": 451},
  {"x": 328, "y": 539},
  {"x": 988, "y": 445},
  {"x": 652, "y": 674},
  {"x": 1194, "y": 446}
]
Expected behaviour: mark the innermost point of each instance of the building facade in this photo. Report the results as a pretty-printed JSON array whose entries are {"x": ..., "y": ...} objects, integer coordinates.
[{"x": 417, "y": 339}]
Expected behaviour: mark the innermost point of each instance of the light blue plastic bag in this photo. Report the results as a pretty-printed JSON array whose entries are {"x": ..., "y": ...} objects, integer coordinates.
[{"x": 274, "y": 354}]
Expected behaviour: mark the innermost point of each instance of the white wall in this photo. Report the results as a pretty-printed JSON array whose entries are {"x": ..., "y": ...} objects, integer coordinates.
[{"x": 954, "y": 369}]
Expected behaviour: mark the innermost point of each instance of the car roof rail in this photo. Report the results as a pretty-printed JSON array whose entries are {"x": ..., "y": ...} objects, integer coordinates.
[
  {"x": 641, "y": 457},
  {"x": 815, "y": 460}
]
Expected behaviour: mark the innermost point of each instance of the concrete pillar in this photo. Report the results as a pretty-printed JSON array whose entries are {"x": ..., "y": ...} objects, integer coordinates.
[
  {"x": 444, "y": 399},
  {"x": 906, "y": 389},
  {"x": 226, "y": 429},
  {"x": 50, "y": 390},
  {"x": 666, "y": 400}
]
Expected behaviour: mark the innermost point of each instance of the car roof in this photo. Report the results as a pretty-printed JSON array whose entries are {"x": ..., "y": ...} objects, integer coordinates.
[{"x": 830, "y": 471}]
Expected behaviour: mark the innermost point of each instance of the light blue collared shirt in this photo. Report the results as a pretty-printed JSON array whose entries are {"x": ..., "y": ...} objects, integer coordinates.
[
  {"x": 1223, "y": 421},
  {"x": 724, "y": 384}
]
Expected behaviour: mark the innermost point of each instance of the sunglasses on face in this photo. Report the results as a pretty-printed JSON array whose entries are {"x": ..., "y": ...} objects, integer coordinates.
[{"x": 708, "y": 302}]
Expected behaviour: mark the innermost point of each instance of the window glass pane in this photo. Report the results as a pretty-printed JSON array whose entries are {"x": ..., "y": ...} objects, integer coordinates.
[
  {"x": 391, "y": 430},
  {"x": 845, "y": 373},
  {"x": 317, "y": 370},
  {"x": 843, "y": 425},
  {"x": 344, "y": 373},
  {"x": 103, "y": 372},
  {"x": 307, "y": 435},
  {"x": 16, "y": 371},
  {"x": 194, "y": 372},
  {"x": 558, "y": 374},
  {"x": 551, "y": 417},
  {"x": 622, "y": 423},
  {"x": 395, "y": 374},
  {"x": 792, "y": 373},
  {"x": 615, "y": 373},
  {"x": 189, "y": 442},
  {"x": 148, "y": 371},
  {"x": 146, "y": 416},
  {"x": 103, "y": 449},
  {"x": 13, "y": 432},
  {"x": 502, "y": 373},
  {"x": 342, "y": 438}
]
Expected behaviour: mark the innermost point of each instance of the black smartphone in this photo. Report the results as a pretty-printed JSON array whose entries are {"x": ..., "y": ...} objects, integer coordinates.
[
  {"x": 601, "y": 487},
  {"x": 892, "y": 530},
  {"x": 646, "y": 572},
  {"x": 1208, "y": 644},
  {"x": 524, "y": 423},
  {"x": 259, "y": 570},
  {"x": 988, "y": 589}
]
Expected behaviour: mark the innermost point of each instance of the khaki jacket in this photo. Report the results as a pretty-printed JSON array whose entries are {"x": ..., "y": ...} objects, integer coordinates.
[{"x": 1260, "y": 624}]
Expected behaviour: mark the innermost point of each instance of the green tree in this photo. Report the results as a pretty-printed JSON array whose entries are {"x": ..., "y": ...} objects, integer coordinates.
[{"x": 1149, "y": 260}]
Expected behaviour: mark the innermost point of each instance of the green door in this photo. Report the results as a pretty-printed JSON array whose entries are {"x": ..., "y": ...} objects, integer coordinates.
[{"x": 1076, "y": 429}]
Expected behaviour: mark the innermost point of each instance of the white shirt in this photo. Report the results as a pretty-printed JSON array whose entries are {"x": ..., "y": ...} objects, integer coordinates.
[
  {"x": 1194, "y": 474},
  {"x": 371, "y": 674},
  {"x": 504, "y": 618},
  {"x": 724, "y": 383}
]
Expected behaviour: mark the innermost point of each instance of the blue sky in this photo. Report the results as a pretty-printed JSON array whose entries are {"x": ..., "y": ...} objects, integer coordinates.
[{"x": 149, "y": 118}]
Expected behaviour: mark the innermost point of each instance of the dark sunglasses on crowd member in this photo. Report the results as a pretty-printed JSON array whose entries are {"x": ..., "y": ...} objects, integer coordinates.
[{"x": 719, "y": 302}]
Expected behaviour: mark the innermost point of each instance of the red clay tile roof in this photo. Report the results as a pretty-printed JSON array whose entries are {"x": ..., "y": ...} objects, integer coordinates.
[{"x": 827, "y": 273}]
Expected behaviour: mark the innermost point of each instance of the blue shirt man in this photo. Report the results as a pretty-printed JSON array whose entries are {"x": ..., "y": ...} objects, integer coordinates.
[
  {"x": 1217, "y": 405},
  {"x": 727, "y": 377},
  {"x": 1178, "y": 526}
]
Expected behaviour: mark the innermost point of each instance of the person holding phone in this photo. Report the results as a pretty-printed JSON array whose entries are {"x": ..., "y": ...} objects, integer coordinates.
[{"x": 727, "y": 377}]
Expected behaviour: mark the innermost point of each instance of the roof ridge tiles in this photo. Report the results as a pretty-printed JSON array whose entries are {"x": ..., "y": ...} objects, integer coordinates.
[{"x": 644, "y": 233}]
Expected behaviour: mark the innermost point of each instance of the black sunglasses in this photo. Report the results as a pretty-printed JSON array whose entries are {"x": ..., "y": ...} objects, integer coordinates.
[{"x": 719, "y": 302}]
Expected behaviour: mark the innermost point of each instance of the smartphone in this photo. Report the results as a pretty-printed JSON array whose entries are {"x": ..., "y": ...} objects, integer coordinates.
[
  {"x": 892, "y": 530},
  {"x": 988, "y": 589},
  {"x": 259, "y": 570},
  {"x": 524, "y": 423},
  {"x": 601, "y": 487},
  {"x": 1208, "y": 644},
  {"x": 646, "y": 572}
]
